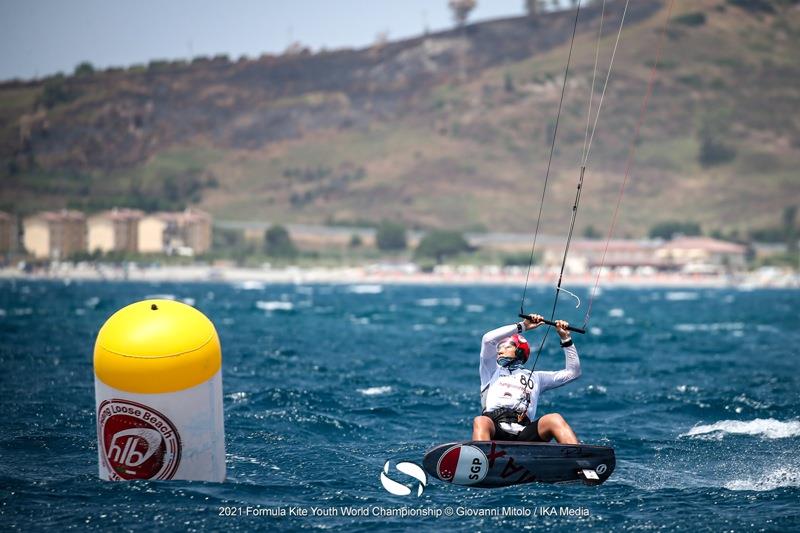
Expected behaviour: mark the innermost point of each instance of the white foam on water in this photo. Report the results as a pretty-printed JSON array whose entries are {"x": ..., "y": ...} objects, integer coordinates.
[
  {"x": 595, "y": 331},
  {"x": 250, "y": 286},
  {"x": 433, "y": 302},
  {"x": 274, "y": 306},
  {"x": 475, "y": 308},
  {"x": 375, "y": 391},
  {"x": 188, "y": 301},
  {"x": 766, "y": 427},
  {"x": 160, "y": 297},
  {"x": 365, "y": 289},
  {"x": 726, "y": 475},
  {"x": 680, "y": 296},
  {"x": 92, "y": 302},
  {"x": 718, "y": 326},
  {"x": 616, "y": 312},
  {"x": 750, "y": 402},
  {"x": 770, "y": 480},
  {"x": 237, "y": 397},
  {"x": 597, "y": 389}
]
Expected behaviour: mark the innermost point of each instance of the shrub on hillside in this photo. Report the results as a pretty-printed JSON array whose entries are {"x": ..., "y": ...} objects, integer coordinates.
[
  {"x": 278, "y": 243},
  {"x": 713, "y": 152},
  {"x": 84, "y": 69},
  {"x": 670, "y": 228},
  {"x": 692, "y": 19},
  {"x": 390, "y": 236},
  {"x": 441, "y": 244},
  {"x": 55, "y": 91}
]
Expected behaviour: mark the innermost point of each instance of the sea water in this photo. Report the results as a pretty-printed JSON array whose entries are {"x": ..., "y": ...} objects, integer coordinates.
[{"x": 696, "y": 389}]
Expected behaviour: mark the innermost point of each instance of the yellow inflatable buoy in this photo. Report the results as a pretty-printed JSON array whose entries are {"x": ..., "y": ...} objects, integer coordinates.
[{"x": 158, "y": 390}]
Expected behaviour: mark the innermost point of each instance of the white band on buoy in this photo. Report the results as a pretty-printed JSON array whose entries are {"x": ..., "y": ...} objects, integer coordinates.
[{"x": 158, "y": 391}]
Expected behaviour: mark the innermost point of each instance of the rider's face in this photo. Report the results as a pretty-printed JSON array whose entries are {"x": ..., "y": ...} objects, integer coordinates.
[{"x": 506, "y": 349}]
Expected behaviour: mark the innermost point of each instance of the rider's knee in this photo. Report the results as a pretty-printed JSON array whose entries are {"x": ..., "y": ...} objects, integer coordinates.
[
  {"x": 556, "y": 419},
  {"x": 483, "y": 423}
]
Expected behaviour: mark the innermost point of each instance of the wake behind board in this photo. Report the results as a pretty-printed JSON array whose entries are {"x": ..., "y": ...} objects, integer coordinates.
[{"x": 489, "y": 464}]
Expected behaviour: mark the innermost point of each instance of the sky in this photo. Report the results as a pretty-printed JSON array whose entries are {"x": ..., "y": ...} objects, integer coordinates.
[{"x": 43, "y": 37}]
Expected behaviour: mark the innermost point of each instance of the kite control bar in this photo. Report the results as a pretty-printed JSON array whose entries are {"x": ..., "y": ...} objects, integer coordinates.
[{"x": 551, "y": 323}]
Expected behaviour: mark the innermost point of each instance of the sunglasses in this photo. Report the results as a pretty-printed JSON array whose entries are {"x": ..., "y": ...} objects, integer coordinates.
[{"x": 503, "y": 345}]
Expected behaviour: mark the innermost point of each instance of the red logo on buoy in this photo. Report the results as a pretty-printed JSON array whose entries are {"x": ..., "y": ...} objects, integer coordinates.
[{"x": 138, "y": 442}]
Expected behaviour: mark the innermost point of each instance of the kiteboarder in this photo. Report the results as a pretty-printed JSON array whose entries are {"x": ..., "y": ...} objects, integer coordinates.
[{"x": 510, "y": 393}]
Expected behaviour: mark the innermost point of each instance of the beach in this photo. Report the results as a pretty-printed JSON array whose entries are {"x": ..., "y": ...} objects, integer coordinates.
[{"x": 404, "y": 273}]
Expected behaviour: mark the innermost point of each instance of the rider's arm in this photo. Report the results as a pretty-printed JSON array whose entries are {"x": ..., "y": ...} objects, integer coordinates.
[
  {"x": 571, "y": 372},
  {"x": 489, "y": 350},
  {"x": 572, "y": 368}
]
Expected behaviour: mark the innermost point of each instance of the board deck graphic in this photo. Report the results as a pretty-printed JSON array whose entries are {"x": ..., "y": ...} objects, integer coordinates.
[{"x": 502, "y": 463}]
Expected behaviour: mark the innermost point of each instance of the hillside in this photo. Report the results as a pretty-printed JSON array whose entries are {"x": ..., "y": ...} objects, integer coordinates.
[{"x": 445, "y": 130}]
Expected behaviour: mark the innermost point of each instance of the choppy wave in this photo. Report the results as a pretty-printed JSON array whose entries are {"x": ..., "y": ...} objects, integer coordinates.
[
  {"x": 160, "y": 297},
  {"x": 385, "y": 378},
  {"x": 718, "y": 326},
  {"x": 365, "y": 289},
  {"x": 766, "y": 427},
  {"x": 770, "y": 480},
  {"x": 375, "y": 391},
  {"x": 681, "y": 296},
  {"x": 274, "y": 306},
  {"x": 250, "y": 286},
  {"x": 434, "y": 302}
]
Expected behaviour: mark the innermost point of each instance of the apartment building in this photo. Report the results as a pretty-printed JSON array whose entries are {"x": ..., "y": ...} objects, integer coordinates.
[
  {"x": 116, "y": 230},
  {"x": 686, "y": 252},
  {"x": 55, "y": 234},
  {"x": 187, "y": 232}
]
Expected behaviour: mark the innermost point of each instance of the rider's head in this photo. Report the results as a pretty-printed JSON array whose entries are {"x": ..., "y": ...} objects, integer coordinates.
[{"x": 513, "y": 348}]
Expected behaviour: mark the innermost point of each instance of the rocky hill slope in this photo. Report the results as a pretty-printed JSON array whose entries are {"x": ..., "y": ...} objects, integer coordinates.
[{"x": 445, "y": 130}]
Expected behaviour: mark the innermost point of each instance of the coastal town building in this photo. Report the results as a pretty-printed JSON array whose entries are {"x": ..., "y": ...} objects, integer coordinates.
[
  {"x": 686, "y": 254},
  {"x": 702, "y": 254},
  {"x": 154, "y": 230},
  {"x": 55, "y": 234},
  {"x": 185, "y": 232},
  {"x": 60, "y": 234},
  {"x": 116, "y": 230},
  {"x": 196, "y": 230},
  {"x": 8, "y": 233},
  {"x": 586, "y": 254}
]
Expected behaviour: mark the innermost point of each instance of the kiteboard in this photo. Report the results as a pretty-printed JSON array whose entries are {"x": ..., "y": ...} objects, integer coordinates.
[{"x": 489, "y": 464}]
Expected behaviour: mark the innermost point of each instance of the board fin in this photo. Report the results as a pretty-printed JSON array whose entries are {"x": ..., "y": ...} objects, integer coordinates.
[{"x": 589, "y": 476}]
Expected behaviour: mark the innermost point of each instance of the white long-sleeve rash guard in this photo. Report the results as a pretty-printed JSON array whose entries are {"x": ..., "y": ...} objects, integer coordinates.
[{"x": 501, "y": 388}]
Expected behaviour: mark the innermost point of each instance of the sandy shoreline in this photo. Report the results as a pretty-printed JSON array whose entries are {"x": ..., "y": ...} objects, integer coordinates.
[{"x": 378, "y": 275}]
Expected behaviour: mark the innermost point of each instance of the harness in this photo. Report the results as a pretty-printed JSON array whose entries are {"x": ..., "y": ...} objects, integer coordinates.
[{"x": 507, "y": 415}]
